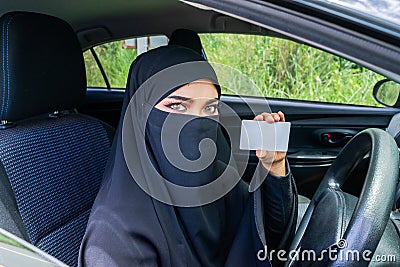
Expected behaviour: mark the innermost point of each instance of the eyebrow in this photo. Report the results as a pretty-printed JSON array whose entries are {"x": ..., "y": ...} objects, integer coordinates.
[
  {"x": 178, "y": 97},
  {"x": 187, "y": 99},
  {"x": 212, "y": 100}
]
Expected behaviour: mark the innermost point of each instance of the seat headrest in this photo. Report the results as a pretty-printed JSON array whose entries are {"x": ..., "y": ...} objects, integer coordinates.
[
  {"x": 189, "y": 39},
  {"x": 42, "y": 67}
]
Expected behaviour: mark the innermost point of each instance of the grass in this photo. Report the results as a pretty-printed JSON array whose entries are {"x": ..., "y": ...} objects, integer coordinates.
[
  {"x": 115, "y": 61},
  {"x": 279, "y": 68}
]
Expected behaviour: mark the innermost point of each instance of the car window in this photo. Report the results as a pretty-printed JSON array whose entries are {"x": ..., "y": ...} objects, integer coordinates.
[
  {"x": 285, "y": 69},
  {"x": 371, "y": 12},
  {"x": 116, "y": 58},
  {"x": 17, "y": 252},
  {"x": 280, "y": 68}
]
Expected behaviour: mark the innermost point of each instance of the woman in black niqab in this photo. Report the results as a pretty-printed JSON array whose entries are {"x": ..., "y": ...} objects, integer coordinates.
[{"x": 142, "y": 217}]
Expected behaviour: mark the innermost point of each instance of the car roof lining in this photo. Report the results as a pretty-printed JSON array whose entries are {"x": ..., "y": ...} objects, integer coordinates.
[
  {"x": 218, "y": 23},
  {"x": 100, "y": 21}
]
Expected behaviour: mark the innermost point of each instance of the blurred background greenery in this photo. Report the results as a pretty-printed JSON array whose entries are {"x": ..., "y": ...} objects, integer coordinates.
[{"x": 280, "y": 68}]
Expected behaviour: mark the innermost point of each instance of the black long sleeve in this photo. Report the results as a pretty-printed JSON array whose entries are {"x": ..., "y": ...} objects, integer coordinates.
[{"x": 279, "y": 196}]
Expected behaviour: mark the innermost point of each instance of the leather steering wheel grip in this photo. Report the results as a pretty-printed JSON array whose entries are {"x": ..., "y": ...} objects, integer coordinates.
[
  {"x": 373, "y": 209},
  {"x": 371, "y": 214}
]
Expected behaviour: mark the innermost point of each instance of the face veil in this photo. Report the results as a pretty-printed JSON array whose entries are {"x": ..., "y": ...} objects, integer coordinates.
[
  {"x": 187, "y": 151},
  {"x": 182, "y": 147},
  {"x": 157, "y": 169}
]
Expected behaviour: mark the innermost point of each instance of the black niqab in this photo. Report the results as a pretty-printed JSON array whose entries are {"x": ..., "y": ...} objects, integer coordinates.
[{"x": 128, "y": 227}]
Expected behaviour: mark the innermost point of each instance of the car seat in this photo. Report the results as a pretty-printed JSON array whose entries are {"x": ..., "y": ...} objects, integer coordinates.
[{"x": 51, "y": 157}]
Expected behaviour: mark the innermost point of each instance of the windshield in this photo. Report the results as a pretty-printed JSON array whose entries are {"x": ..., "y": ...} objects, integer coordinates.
[
  {"x": 385, "y": 9},
  {"x": 383, "y": 15}
]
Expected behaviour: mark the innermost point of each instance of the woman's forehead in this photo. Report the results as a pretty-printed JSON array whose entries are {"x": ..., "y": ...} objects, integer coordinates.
[{"x": 202, "y": 88}]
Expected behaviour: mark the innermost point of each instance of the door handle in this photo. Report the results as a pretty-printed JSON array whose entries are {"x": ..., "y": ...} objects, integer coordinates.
[{"x": 334, "y": 137}]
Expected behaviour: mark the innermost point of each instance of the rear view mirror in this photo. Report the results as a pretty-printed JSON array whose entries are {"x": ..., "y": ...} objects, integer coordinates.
[{"x": 386, "y": 92}]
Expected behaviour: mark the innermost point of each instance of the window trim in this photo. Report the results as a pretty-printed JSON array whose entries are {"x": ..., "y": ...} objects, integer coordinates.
[{"x": 102, "y": 71}]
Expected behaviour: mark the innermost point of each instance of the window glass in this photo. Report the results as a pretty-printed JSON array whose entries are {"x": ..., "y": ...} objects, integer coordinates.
[
  {"x": 387, "y": 10},
  {"x": 280, "y": 68},
  {"x": 116, "y": 58},
  {"x": 285, "y": 69}
]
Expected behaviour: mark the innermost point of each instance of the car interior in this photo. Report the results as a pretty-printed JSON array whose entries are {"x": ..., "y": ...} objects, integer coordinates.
[{"x": 56, "y": 133}]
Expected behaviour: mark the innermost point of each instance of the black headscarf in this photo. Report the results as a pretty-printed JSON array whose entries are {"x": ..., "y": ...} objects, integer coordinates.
[{"x": 138, "y": 218}]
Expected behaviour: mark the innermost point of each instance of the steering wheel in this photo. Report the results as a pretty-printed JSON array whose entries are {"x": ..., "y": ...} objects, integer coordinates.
[{"x": 338, "y": 223}]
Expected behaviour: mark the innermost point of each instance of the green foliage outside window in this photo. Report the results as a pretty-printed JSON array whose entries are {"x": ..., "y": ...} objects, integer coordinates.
[{"x": 280, "y": 68}]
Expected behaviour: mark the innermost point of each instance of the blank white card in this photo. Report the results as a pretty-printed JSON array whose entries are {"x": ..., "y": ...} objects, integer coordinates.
[{"x": 261, "y": 135}]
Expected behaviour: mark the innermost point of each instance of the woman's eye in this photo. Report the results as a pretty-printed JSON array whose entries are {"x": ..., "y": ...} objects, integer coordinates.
[
  {"x": 211, "y": 109},
  {"x": 177, "y": 107}
]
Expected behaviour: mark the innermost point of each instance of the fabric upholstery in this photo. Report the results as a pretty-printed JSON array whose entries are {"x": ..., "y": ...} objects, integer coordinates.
[
  {"x": 51, "y": 166},
  {"x": 10, "y": 219},
  {"x": 42, "y": 68},
  {"x": 55, "y": 166}
]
